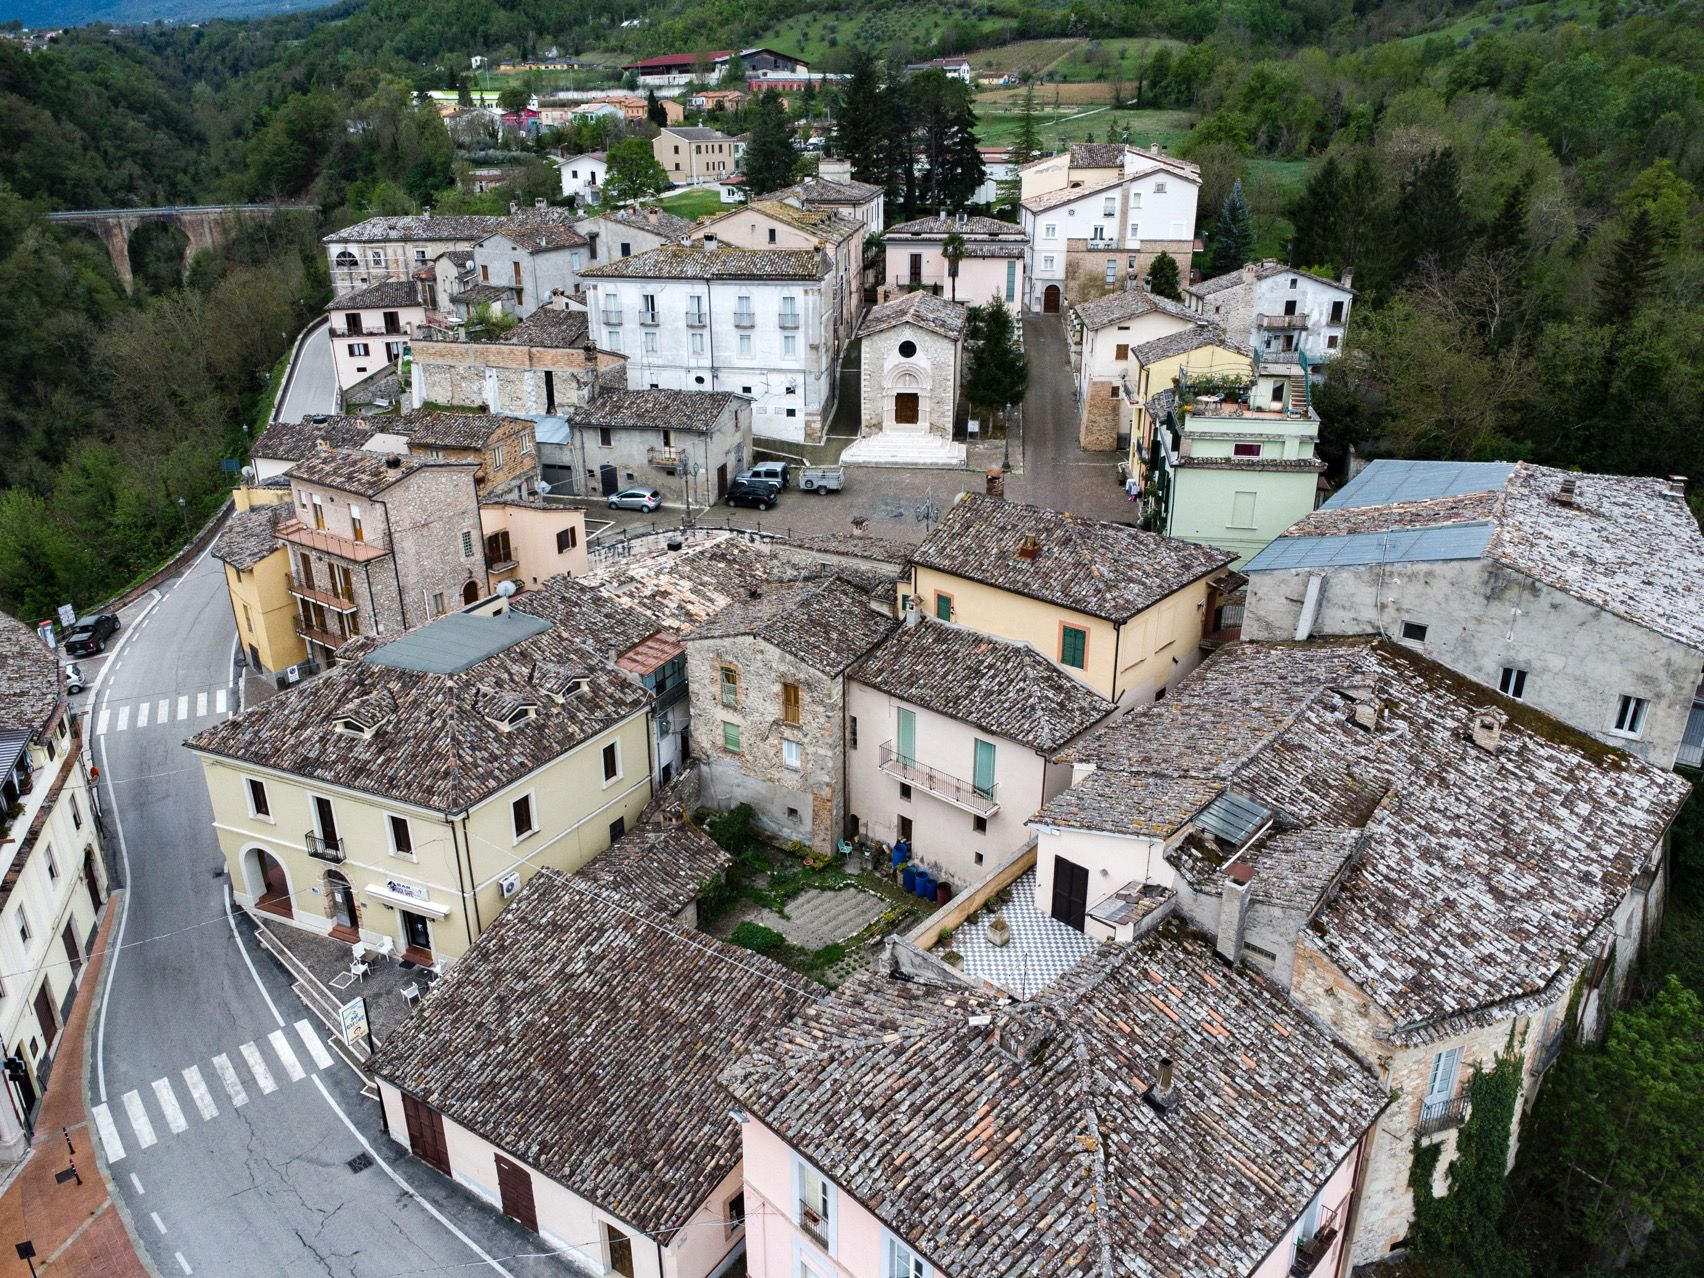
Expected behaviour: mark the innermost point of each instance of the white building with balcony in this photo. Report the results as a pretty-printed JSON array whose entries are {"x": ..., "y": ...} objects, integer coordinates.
[
  {"x": 1281, "y": 312},
  {"x": 759, "y": 323}
]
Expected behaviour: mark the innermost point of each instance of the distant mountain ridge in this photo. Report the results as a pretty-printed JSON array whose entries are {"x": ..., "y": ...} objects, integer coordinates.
[{"x": 40, "y": 14}]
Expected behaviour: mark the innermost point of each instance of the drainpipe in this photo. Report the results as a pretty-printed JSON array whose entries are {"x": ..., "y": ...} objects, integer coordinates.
[{"x": 461, "y": 884}]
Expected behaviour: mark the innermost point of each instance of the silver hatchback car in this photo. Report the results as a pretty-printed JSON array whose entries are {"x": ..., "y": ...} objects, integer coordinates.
[{"x": 645, "y": 499}]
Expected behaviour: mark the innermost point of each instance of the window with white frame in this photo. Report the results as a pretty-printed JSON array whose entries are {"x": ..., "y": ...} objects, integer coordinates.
[
  {"x": 899, "y": 1261},
  {"x": 1111, "y": 270},
  {"x": 76, "y": 814},
  {"x": 1512, "y": 682},
  {"x": 612, "y": 762},
  {"x": 259, "y": 805},
  {"x": 1047, "y": 262},
  {"x": 792, "y": 755},
  {"x": 1109, "y": 206},
  {"x": 650, "y": 340},
  {"x": 401, "y": 836},
  {"x": 745, "y": 343},
  {"x": 1629, "y": 715},
  {"x": 1441, "y": 1082},
  {"x": 1135, "y": 201},
  {"x": 816, "y": 1204},
  {"x": 23, "y": 922},
  {"x": 1050, "y": 231},
  {"x": 52, "y": 865},
  {"x": 698, "y": 343},
  {"x": 789, "y": 345}
]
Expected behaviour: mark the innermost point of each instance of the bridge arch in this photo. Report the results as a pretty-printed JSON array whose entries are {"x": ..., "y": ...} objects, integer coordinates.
[{"x": 204, "y": 227}]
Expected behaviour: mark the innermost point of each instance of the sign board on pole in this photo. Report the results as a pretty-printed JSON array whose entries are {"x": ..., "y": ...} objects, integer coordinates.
[
  {"x": 352, "y": 1021},
  {"x": 973, "y": 426},
  {"x": 67, "y": 615}
]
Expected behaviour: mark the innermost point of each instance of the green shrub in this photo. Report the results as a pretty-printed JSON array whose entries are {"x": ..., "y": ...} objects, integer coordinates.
[
  {"x": 757, "y": 938},
  {"x": 732, "y": 829}
]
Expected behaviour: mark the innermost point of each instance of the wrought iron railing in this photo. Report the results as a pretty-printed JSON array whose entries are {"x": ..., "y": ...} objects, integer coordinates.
[
  {"x": 322, "y": 848},
  {"x": 979, "y": 799},
  {"x": 1440, "y": 1115}
]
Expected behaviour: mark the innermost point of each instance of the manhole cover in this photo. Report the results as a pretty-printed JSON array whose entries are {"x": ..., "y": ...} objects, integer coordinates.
[{"x": 360, "y": 1162}]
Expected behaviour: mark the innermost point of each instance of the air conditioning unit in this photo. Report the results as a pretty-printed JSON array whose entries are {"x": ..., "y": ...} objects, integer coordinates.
[{"x": 509, "y": 884}]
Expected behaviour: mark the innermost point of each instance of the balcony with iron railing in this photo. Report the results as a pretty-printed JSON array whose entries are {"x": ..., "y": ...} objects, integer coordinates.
[
  {"x": 330, "y": 598},
  {"x": 812, "y": 1224},
  {"x": 318, "y": 634},
  {"x": 789, "y": 319},
  {"x": 979, "y": 800},
  {"x": 1316, "y": 1247},
  {"x": 1441, "y": 1115},
  {"x": 1282, "y": 323},
  {"x": 297, "y": 533},
  {"x": 324, "y": 849},
  {"x": 649, "y": 319},
  {"x": 697, "y": 319},
  {"x": 745, "y": 319},
  {"x": 665, "y": 456}
]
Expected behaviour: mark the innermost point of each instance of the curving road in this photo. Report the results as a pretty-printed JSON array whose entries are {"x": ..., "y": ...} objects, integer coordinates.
[
  {"x": 213, "y": 1185},
  {"x": 311, "y": 385}
]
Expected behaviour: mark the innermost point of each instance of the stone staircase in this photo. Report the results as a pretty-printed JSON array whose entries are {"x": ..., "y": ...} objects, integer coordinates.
[{"x": 893, "y": 448}]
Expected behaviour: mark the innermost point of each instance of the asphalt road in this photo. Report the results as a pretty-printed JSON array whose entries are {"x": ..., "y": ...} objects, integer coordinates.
[
  {"x": 313, "y": 382},
  {"x": 264, "y": 1188}
]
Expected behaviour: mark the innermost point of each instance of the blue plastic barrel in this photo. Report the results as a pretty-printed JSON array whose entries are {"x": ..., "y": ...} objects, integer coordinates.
[
  {"x": 899, "y": 855},
  {"x": 925, "y": 885},
  {"x": 908, "y": 879}
]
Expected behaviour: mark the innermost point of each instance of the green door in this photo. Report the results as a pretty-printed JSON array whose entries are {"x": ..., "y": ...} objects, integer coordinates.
[
  {"x": 982, "y": 775},
  {"x": 908, "y": 736}
]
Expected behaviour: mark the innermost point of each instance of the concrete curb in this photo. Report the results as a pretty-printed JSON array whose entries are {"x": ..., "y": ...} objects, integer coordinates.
[{"x": 172, "y": 566}]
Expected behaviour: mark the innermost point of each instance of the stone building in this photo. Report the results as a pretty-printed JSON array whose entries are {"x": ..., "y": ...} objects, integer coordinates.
[
  {"x": 397, "y": 248},
  {"x": 503, "y": 450},
  {"x": 540, "y": 263},
  {"x": 1437, "y": 874},
  {"x": 1278, "y": 310},
  {"x": 912, "y": 353},
  {"x": 688, "y": 444},
  {"x": 380, "y": 542},
  {"x": 544, "y": 366},
  {"x": 1098, "y": 214},
  {"x": 767, "y": 675},
  {"x": 612, "y": 234},
  {"x": 1578, "y": 595},
  {"x": 1107, "y": 330}
]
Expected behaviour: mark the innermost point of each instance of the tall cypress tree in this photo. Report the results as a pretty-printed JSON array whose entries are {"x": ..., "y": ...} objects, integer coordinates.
[
  {"x": 772, "y": 152},
  {"x": 1162, "y": 278},
  {"x": 1317, "y": 216},
  {"x": 1233, "y": 236},
  {"x": 861, "y": 131},
  {"x": 1431, "y": 225},
  {"x": 1629, "y": 276},
  {"x": 1028, "y": 145},
  {"x": 944, "y": 126}
]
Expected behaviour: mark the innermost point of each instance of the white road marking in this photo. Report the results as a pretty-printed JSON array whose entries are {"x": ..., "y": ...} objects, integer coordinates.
[
  {"x": 228, "y": 1076},
  {"x": 199, "y": 1094},
  {"x": 169, "y": 1105},
  {"x": 200, "y": 704},
  {"x": 142, "y": 715},
  {"x": 182, "y": 1263},
  {"x": 139, "y": 1120},
  {"x": 109, "y": 1135},
  {"x": 134, "y": 1178},
  {"x": 123, "y": 718},
  {"x": 316, "y": 1049},
  {"x": 158, "y": 1223},
  {"x": 257, "y": 1067},
  {"x": 100, "y": 725},
  {"x": 183, "y": 706},
  {"x": 292, "y": 1066},
  {"x": 220, "y": 701},
  {"x": 165, "y": 710}
]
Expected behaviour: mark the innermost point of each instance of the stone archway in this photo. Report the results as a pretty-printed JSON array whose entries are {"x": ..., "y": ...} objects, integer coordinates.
[
  {"x": 268, "y": 882},
  {"x": 906, "y": 399}
]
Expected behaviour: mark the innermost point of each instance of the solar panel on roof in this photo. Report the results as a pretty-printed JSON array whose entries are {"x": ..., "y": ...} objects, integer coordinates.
[
  {"x": 1401, "y": 545},
  {"x": 1232, "y": 818},
  {"x": 457, "y": 642},
  {"x": 1385, "y": 482}
]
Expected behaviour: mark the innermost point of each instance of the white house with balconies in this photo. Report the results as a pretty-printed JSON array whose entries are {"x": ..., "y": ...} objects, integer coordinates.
[
  {"x": 1282, "y": 312},
  {"x": 759, "y": 323}
]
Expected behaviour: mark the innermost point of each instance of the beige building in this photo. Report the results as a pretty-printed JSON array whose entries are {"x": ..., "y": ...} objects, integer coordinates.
[
  {"x": 527, "y": 542},
  {"x": 52, "y": 876},
  {"x": 612, "y": 234},
  {"x": 370, "y": 326},
  {"x": 1123, "y": 610},
  {"x": 402, "y": 798},
  {"x": 1436, "y": 873},
  {"x": 1201, "y": 355},
  {"x": 1107, "y": 329},
  {"x": 991, "y": 268},
  {"x": 693, "y": 156},
  {"x": 379, "y": 542},
  {"x": 545, "y": 365},
  {"x": 950, "y": 738}
]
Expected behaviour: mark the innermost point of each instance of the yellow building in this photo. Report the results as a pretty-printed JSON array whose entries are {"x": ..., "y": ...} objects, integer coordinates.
[
  {"x": 1123, "y": 610},
  {"x": 1204, "y": 352},
  {"x": 400, "y": 799},
  {"x": 257, "y": 578}
]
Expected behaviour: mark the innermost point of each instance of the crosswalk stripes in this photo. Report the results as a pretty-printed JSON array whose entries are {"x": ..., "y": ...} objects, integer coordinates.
[
  {"x": 142, "y": 715},
  {"x": 183, "y": 706},
  {"x": 201, "y": 1095},
  {"x": 169, "y": 1105},
  {"x": 149, "y": 712},
  {"x": 101, "y": 725},
  {"x": 228, "y": 1076},
  {"x": 165, "y": 707},
  {"x": 123, "y": 718}
]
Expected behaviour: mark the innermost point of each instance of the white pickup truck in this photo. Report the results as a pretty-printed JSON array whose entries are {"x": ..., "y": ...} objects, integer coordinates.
[{"x": 822, "y": 479}]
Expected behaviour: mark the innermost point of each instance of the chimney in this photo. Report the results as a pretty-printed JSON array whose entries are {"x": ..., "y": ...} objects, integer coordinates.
[
  {"x": 514, "y": 207},
  {"x": 1162, "y": 1096},
  {"x": 651, "y": 212},
  {"x": 994, "y": 482},
  {"x": 911, "y": 613},
  {"x": 541, "y": 203},
  {"x": 1487, "y": 729},
  {"x": 860, "y": 525},
  {"x": 393, "y": 462},
  {"x": 1248, "y": 272},
  {"x": 426, "y": 212},
  {"x": 1365, "y": 715},
  {"x": 1347, "y": 279},
  {"x": 1233, "y": 910},
  {"x": 1029, "y": 546},
  {"x": 1676, "y": 486},
  {"x": 1565, "y": 493}
]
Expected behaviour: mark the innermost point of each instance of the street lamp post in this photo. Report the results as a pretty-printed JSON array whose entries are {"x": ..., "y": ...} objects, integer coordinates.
[{"x": 183, "y": 514}]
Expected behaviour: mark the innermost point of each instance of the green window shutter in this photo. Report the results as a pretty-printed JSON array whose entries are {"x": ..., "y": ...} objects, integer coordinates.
[
  {"x": 944, "y": 607},
  {"x": 908, "y": 736},
  {"x": 731, "y": 737},
  {"x": 1073, "y": 644},
  {"x": 982, "y": 774}
]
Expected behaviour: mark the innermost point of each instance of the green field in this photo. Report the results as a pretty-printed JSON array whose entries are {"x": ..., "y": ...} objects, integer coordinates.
[
  {"x": 816, "y": 36},
  {"x": 1117, "y": 59},
  {"x": 1487, "y": 21},
  {"x": 1083, "y": 124},
  {"x": 693, "y": 204}
]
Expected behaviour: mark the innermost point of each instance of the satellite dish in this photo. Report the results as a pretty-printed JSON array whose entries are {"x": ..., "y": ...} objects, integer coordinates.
[{"x": 506, "y": 588}]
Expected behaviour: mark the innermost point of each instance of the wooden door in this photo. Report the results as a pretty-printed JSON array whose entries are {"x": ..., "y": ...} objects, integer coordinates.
[
  {"x": 1070, "y": 892},
  {"x": 75, "y": 956},
  {"x": 426, "y": 1134},
  {"x": 620, "y": 1251},
  {"x": 515, "y": 1187},
  {"x": 916, "y": 268},
  {"x": 905, "y": 408},
  {"x": 1050, "y": 300},
  {"x": 46, "y": 1016},
  {"x": 90, "y": 879}
]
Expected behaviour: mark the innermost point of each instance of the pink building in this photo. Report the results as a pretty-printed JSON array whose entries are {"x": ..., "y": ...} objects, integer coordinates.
[
  {"x": 992, "y": 265},
  {"x": 370, "y": 326},
  {"x": 1151, "y": 1112}
]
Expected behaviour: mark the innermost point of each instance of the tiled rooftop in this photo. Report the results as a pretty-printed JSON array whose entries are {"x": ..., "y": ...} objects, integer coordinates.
[
  {"x": 1002, "y": 687},
  {"x": 682, "y": 588},
  {"x": 693, "y": 262},
  {"x": 970, "y": 227},
  {"x": 292, "y": 441},
  {"x": 922, "y": 308},
  {"x": 844, "y": 191},
  {"x": 1002, "y": 1137},
  {"x": 1626, "y": 544},
  {"x": 1092, "y": 566},
  {"x": 549, "y": 327},
  {"x": 668, "y": 225},
  {"x": 1258, "y": 271},
  {"x": 658, "y": 409},
  {"x": 1069, "y": 195},
  {"x": 1185, "y": 340},
  {"x": 823, "y": 223},
  {"x": 438, "y": 747},
  {"x": 824, "y": 622},
  {"x": 549, "y": 1040},
  {"x": 29, "y": 678},
  {"x": 544, "y": 238},
  {"x": 1479, "y": 874},
  {"x": 396, "y": 293},
  {"x": 251, "y": 535},
  {"x": 450, "y": 430},
  {"x": 354, "y": 470},
  {"x": 663, "y": 865},
  {"x": 688, "y": 133},
  {"x": 1115, "y": 308},
  {"x": 596, "y": 617}
]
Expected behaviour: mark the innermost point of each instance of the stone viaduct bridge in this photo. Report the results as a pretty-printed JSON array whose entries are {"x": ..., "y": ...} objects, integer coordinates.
[{"x": 203, "y": 225}]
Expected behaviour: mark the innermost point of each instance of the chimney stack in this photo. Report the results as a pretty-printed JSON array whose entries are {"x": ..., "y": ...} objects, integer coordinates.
[
  {"x": 1233, "y": 910},
  {"x": 514, "y": 207},
  {"x": 1162, "y": 1096},
  {"x": 651, "y": 212},
  {"x": 1676, "y": 486},
  {"x": 426, "y": 212},
  {"x": 1029, "y": 546},
  {"x": 1487, "y": 729},
  {"x": 541, "y": 203},
  {"x": 1565, "y": 493}
]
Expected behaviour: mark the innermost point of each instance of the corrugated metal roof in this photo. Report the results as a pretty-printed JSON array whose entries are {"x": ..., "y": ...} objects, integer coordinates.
[
  {"x": 1691, "y": 741},
  {"x": 1400, "y": 545},
  {"x": 13, "y": 743},
  {"x": 1385, "y": 482},
  {"x": 456, "y": 642},
  {"x": 1232, "y": 817}
]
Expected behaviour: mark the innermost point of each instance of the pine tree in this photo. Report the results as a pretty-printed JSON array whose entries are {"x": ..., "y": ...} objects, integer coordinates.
[
  {"x": 1318, "y": 216},
  {"x": 1028, "y": 145},
  {"x": 1233, "y": 236},
  {"x": 1431, "y": 225},
  {"x": 996, "y": 373},
  {"x": 772, "y": 152},
  {"x": 861, "y": 132},
  {"x": 1162, "y": 277},
  {"x": 944, "y": 125},
  {"x": 1629, "y": 276},
  {"x": 654, "y": 109},
  {"x": 1507, "y": 232}
]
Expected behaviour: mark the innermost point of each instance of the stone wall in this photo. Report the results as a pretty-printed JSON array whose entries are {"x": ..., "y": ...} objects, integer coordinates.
[
  {"x": 504, "y": 378},
  {"x": 803, "y": 804},
  {"x": 932, "y": 373},
  {"x": 428, "y": 513},
  {"x": 1105, "y": 417},
  {"x": 1085, "y": 268}
]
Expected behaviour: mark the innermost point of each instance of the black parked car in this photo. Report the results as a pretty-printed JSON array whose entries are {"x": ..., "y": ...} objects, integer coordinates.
[
  {"x": 90, "y": 635},
  {"x": 760, "y": 495}
]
